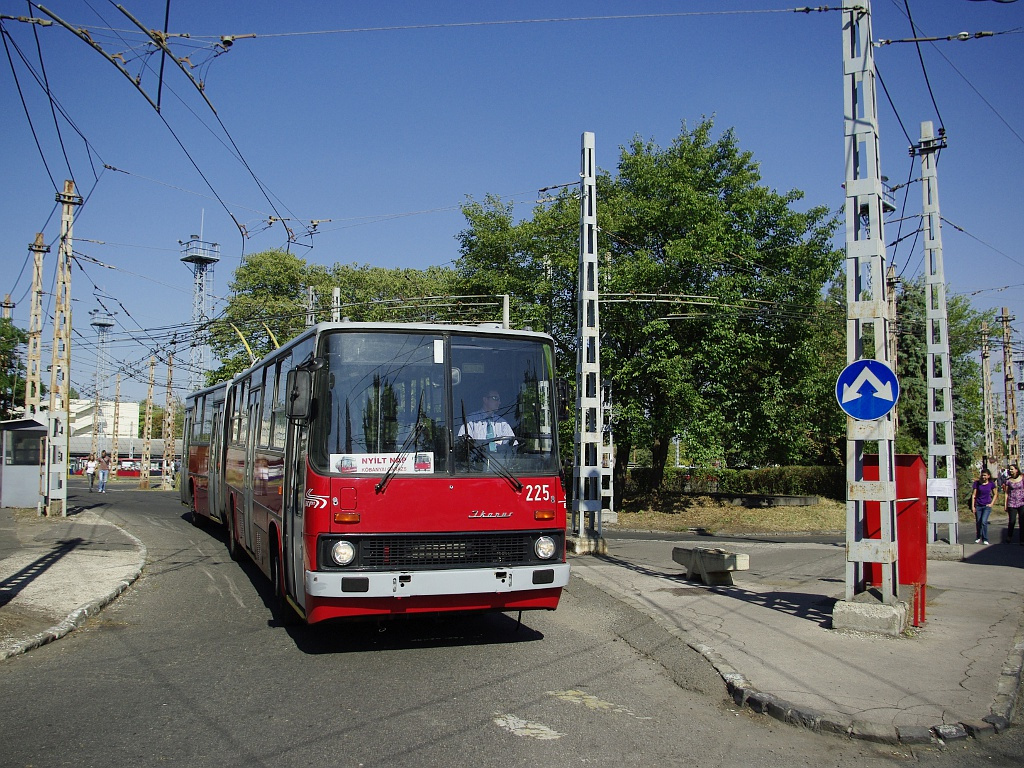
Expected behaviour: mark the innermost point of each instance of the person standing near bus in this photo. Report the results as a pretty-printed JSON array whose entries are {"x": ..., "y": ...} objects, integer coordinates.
[
  {"x": 90, "y": 469},
  {"x": 984, "y": 494},
  {"x": 103, "y": 467},
  {"x": 1014, "y": 504}
]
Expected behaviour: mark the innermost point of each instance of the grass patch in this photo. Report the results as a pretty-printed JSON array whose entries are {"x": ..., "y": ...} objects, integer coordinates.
[{"x": 678, "y": 513}]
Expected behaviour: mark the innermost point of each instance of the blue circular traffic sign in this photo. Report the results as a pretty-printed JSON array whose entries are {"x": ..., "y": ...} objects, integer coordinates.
[{"x": 867, "y": 390}]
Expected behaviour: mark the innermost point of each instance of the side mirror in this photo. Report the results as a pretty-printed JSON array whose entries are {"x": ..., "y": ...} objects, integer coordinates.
[{"x": 300, "y": 394}]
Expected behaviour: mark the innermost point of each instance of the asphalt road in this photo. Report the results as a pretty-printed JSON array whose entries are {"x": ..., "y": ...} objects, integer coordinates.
[{"x": 189, "y": 668}]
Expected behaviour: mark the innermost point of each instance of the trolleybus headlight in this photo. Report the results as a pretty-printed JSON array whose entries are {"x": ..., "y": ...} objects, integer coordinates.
[
  {"x": 544, "y": 547},
  {"x": 343, "y": 552}
]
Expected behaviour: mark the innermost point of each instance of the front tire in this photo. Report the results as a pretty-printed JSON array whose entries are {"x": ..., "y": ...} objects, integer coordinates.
[{"x": 284, "y": 613}]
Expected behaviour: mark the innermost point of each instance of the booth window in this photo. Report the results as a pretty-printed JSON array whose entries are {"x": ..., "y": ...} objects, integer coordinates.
[{"x": 23, "y": 449}]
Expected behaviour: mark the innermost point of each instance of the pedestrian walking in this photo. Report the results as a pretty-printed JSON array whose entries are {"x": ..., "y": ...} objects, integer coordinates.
[
  {"x": 984, "y": 494},
  {"x": 90, "y": 469},
  {"x": 1014, "y": 504},
  {"x": 103, "y": 467}
]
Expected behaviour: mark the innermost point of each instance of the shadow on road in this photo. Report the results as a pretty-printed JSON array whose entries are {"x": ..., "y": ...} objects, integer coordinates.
[{"x": 11, "y": 586}]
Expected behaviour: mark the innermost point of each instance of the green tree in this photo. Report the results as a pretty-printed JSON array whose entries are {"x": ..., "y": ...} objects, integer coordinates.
[
  {"x": 12, "y": 369},
  {"x": 267, "y": 302},
  {"x": 729, "y": 345}
]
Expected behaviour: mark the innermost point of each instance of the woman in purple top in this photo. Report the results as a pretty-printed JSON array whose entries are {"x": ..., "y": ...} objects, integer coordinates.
[
  {"x": 983, "y": 496},
  {"x": 1014, "y": 503}
]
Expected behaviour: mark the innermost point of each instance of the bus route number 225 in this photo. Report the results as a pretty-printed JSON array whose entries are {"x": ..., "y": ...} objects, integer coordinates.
[{"x": 539, "y": 493}]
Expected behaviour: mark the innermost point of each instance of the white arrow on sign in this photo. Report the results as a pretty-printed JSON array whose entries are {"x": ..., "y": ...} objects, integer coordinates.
[{"x": 852, "y": 391}]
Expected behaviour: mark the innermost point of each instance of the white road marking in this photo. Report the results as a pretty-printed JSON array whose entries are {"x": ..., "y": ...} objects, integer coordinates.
[{"x": 520, "y": 727}]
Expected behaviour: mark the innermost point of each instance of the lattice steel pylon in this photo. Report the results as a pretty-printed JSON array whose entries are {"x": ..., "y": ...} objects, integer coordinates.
[
  {"x": 942, "y": 504},
  {"x": 867, "y": 313},
  {"x": 201, "y": 256}
]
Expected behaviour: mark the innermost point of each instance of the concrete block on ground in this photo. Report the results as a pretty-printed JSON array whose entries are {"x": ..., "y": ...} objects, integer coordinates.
[
  {"x": 712, "y": 566},
  {"x": 890, "y": 619},
  {"x": 943, "y": 551},
  {"x": 586, "y": 545}
]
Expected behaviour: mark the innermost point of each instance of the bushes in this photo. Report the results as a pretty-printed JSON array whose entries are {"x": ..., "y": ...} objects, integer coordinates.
[{"x": 829, "y": 482}]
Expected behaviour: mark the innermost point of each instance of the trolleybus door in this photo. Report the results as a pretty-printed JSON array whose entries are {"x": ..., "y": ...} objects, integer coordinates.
[
  {"x": 215, "y": 461},
  {"x": 250, "y": 462},
  {"x": 294, "y": 507}
]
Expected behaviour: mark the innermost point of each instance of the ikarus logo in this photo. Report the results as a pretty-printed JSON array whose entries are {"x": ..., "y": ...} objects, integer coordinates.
[{"x": 315, "y": 500}]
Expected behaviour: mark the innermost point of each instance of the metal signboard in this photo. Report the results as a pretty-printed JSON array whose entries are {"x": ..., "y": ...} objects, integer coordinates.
[{"x": 867, "y": 390}]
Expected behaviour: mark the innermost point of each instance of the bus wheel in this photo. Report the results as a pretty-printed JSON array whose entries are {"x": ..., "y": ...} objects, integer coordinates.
[
  {"x": 233, "y": 550},
  {"x": 194, "y": 517},
  {"x": 283, "y": 611}
]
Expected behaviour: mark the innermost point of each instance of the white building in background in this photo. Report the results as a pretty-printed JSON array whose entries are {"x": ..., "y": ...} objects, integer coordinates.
[{"x": 83, "y": 418}]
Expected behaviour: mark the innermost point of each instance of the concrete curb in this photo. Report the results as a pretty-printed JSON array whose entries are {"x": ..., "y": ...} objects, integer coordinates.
[
  {"x": 744, "y": 694},
  {"x": 78, "y": 616}
]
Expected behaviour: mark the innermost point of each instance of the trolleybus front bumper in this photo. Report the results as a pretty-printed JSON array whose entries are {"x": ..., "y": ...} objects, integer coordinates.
[{"x": 462, "y": 581}]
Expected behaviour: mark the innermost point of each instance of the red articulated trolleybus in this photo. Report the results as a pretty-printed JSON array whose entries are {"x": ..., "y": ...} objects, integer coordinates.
[{"x": 388, "y": 468}]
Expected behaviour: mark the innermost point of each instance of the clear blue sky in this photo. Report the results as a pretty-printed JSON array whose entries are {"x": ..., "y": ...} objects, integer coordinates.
[{"x": 386, "y": 131}]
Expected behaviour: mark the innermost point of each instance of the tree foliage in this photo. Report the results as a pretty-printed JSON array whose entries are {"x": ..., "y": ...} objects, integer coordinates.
[
  {"x": 269, "y": 302},
  {"x": 712, "y": 291},
  {"x": 12, "y": 368},
  {"x": 723, "y": 323}
]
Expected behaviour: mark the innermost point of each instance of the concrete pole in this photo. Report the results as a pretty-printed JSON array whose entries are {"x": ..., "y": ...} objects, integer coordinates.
[
  {"x": 33, "y": 382},
  {"x": 986, "y": 388},
  {"x": 147, "y": 431},
  {"x": 114, "y": 459},
  {"x": 1010, "y": 390},
  {"x": 167, "y": 477},
  {"x": 58, "y": 434},
  {"x": 942, "y": 502},
  {"x": 867, "y": 325},
  {"x": 586, "y": 501}
]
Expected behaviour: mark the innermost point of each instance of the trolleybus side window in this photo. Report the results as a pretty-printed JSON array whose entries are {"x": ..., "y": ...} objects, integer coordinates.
[
  {"x": 278, "y": 417},
  {"x": 240, "y": 425},
  {"x": 268, "y": 389}
]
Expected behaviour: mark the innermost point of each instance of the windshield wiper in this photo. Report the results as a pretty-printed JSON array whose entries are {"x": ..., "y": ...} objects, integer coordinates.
[{"x": 407, "y": 446}]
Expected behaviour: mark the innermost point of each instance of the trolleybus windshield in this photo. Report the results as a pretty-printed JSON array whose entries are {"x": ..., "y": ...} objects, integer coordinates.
[{"x": 435, "y": 404}]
